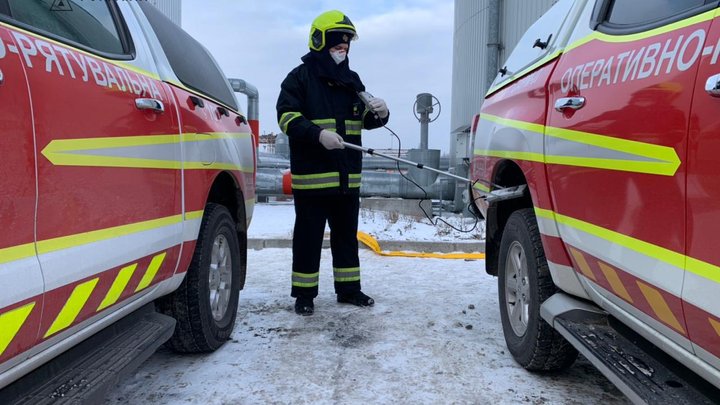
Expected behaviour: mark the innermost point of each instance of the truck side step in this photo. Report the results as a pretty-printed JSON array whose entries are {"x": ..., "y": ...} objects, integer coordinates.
[
  {"x": 88, "y": 371},
  {"x": 640, "y": 370}
]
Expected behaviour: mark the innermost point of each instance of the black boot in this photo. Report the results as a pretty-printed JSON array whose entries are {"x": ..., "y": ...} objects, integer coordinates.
[
  {"x": 304, "y": 306},
  {"x": 356, "y": 298}
]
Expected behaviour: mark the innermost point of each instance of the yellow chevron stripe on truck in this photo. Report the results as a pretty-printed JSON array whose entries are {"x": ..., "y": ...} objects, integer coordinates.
[{"x": 650, "y": 158}]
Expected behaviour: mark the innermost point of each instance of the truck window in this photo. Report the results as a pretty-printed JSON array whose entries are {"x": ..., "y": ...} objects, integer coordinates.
[
  {"x": 545, "y": 29},
  {"x": 633, "y": 12},
  {"x": 90, "y": 24},
  {"x": 623, "y": 17},
  {"x": 190, "y": 61}
]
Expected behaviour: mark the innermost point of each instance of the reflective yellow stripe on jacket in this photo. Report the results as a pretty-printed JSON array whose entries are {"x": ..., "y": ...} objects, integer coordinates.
[
  {"x": 354, "y": 180},
  {"x": 315, "y": 181},
  {"x": 286, "y": 118},
  {"x": 328, "y": 124},
  {"x": 353, "y": 127}
]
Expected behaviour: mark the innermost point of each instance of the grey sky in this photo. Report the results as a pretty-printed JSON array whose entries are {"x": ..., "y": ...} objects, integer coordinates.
[{"x": 404, "y": 48}]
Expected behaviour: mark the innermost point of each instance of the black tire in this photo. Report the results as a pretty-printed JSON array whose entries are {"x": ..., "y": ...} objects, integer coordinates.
[
  {"x": 538, "y": 347},
  {"x": 197, "y": 330}
]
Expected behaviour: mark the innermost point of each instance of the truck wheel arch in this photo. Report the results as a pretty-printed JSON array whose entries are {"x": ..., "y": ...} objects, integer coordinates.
[
  {"x": 227, "y": 192},
  {"x": 506, "y": 174}
]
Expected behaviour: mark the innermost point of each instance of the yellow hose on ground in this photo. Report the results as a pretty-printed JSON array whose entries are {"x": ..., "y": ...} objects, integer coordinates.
[{"x": 373, "y": 244}]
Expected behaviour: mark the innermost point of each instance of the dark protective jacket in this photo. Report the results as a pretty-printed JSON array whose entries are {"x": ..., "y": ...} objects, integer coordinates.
[{"x": 310, "y": 102}]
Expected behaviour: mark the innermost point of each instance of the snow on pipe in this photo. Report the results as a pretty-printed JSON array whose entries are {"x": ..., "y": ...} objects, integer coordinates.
[
  {"x": 276, "y": 181},
  {"x": 368, "y": 163},
  {"x": 253, "y": 109},
  {"x": 394, "y": 185}
]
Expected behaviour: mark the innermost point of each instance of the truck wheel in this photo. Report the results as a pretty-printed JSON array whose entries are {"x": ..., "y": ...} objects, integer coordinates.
[
  {"x": 524, "y": 283},
  {"x": 205, "y": 305}
]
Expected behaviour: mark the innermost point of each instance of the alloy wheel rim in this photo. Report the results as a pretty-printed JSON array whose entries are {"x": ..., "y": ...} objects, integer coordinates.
[
  {"x": 517, "y": 289},
  {"x": 220, "y": 277}
]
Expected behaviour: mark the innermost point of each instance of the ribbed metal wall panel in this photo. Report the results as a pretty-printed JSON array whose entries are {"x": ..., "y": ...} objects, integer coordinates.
[
  {"x": 470, "y": 48},
  {"x": 171, "y": 8},
  {"x": 469, "y": 60}
]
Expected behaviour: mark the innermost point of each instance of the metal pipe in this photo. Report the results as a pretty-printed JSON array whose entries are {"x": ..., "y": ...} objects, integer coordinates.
[
  {"x": 503, "y": 193},
  {"x": 394, "y": 185},
  {"x": 269, "y": 181},
  {"x": 371, "y": 151},
  {"x": 378, "y": 163},
  {"x": 493, "y": 43},
  {"x": 253, "y": 109},
  {"x": 368, "y": 163},
  {"x": 273, "y": 182},
  {"x": 424, "y": 108}
]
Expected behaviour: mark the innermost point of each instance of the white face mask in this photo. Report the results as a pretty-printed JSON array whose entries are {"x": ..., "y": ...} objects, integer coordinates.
[{"x": 338, "y": 56}]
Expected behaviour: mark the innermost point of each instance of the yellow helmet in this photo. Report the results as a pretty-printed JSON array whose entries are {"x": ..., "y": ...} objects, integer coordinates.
[{"x": 332, "y": 20}]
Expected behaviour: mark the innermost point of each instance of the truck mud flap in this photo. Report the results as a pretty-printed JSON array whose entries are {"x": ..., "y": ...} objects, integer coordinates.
[
  {"x": 644, "y": 373},
  {"x": 88, "y": 371}
]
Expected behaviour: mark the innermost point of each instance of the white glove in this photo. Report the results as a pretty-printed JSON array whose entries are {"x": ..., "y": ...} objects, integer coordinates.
[
  {"x": 378, "y": 105},
  {"x": 331, "y": 140}
]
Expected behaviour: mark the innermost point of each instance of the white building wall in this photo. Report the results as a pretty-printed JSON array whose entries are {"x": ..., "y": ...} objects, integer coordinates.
[
  {"x": 470, "y": 47},
  {"x": 171, "y": 8},
  {"x": 469, "y": 60}
]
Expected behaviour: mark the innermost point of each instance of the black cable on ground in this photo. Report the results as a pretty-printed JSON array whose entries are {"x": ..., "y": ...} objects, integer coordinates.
[{"x": 425, "y": 194}]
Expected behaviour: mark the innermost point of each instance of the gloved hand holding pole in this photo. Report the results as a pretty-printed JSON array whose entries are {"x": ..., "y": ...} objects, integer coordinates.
[
  {"x": 331, "y": 140},
  {"x": 378, "y": 106}
]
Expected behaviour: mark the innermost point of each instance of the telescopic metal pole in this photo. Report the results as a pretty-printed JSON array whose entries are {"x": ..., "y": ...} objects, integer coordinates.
[
  {"x": 371, "y": 151},
  {"x": 504, "y": 193}
]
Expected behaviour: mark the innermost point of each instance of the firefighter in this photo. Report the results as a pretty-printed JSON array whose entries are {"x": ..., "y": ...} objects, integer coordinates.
[{"x": 319, "y": 108}]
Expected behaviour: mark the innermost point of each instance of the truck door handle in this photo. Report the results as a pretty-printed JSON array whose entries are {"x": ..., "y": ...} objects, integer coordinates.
[
  {"x": 712, "y": 85},
  {"x": 574, "y": 103},
  {"x": 149, "y": 104}
]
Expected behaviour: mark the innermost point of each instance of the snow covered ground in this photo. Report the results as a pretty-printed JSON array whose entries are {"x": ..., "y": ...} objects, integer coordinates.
[
  {"x": 433, "y": 337},
  {"x": 275, "y": 220}
]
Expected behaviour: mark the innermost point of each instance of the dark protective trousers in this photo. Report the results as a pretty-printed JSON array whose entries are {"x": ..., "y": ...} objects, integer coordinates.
[{"x": 311, "y": 214}]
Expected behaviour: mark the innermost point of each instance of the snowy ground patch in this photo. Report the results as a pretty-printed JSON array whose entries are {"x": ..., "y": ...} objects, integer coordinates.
[
  {"x": 434, "y": 337},
  {"x": 275, "y": 220}
]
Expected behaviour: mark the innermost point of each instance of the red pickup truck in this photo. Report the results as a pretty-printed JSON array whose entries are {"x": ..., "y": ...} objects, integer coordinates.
[{"x": 608, "y": 112}]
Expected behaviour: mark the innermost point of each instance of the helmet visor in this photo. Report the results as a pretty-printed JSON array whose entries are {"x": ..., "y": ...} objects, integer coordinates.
[{"x": 353, "y": 34}]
